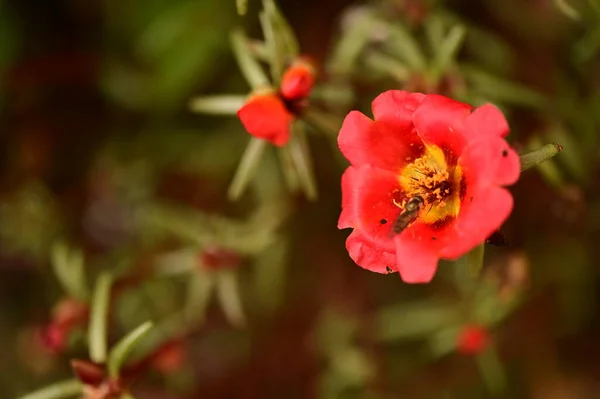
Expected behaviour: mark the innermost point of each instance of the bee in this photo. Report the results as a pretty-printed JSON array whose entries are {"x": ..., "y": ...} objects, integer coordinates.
[{"x": 408, "y": 215}]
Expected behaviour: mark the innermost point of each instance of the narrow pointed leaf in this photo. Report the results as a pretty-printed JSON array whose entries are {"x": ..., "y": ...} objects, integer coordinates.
[
  {"x": 492, "y": 371},
  {"x": 249, "y": 66},
  {"x": 415, "y": 320},
  {"x": 289, "y": 170},
  {"x": 123, "y": 348},
  {"x": 99, "y": 318},
  {"x": 467, "y": 269},
  {"x": 447, "y": 51},
  {"x": 404, "y": 46},
  {"x": 282, "y": 28},
  {"x": 389, "y": 65},
  {"x": 434, "y": 31},
  {"x": 228, "y": 293},
  {"x": 303, "y": 163},
  {"x": 69, "y": 269},
  {"x": 539, "y": 156},
  {"x": 498, "y": 89},
  {"x": 199, "y": 289},
  {"x": 567, "y": 9},
  {"x": 218, "y": 105},
  {"x": 60, "y": 390},
  {"x": 246, "y": 167},
  {"x": 241, "y": 6}
]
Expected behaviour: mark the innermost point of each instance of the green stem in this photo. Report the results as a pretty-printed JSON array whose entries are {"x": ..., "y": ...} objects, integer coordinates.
[
  {"x": 98, "y": 319},
  {"x": 540, "y": 155},
  {"x": 59, "y": 390}
]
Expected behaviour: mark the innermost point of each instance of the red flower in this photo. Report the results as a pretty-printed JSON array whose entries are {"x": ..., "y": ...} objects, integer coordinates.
[
  {"x": 450, "y": 159},
  {"x": 472, "y": 340},
  {"x": 298, "y": 80},
  {"x": 265, "y": 116}
]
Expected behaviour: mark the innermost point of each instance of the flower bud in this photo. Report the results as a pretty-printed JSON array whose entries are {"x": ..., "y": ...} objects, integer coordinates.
[
  {"x": 215, "y": 258},
  {"x": 298, "y": 80},
  {"x": 472, "y": 340}
]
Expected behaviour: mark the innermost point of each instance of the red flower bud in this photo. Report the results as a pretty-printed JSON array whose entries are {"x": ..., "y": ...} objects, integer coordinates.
[
  {"x": 52, "y": 338},
  {"x": 266, "y": 117},
  {"x": 69, "y": 313},
  {"x": 298, "y": 80},
  {"x": 106, "y": 390},
  {"x": 472, "y": 340},
  {"x": 169, "y": 358},
  {"x": 214, "y": 258},
  {"x": 87, "y": 372}
]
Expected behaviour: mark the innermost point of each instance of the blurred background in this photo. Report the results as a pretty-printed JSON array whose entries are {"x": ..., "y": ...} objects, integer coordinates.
[{"x": 106, "y": 169}]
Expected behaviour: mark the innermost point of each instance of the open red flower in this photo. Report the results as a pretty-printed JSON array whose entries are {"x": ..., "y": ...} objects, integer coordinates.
[
  {"x": 265, "y": 116},
  {"x": 453, "y": 158}
]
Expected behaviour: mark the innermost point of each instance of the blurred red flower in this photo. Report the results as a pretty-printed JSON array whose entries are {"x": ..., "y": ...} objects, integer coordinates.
[
  {"x": 298, "y": 80},
  {"x": 268, "y": 114},
  {"x": 472, "y": 340},
  {"x": 265, "y": 116},
  {"x": 445, "y": 159}
]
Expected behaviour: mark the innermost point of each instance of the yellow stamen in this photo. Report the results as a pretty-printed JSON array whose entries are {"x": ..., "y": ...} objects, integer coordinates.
[{"x": 438, "y": 184}]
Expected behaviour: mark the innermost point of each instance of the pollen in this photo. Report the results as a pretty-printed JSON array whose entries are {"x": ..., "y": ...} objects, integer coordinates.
[{"x": 430, "y": 178}]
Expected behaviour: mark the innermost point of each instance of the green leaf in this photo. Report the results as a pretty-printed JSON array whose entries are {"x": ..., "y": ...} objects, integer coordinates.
[
  {"x": 434, "y": 31},
  {"x": 199, "y": 288},
  {"x": 414, "y": 320},
  {"x": 350, "y": 46},
  {"x": 280, "y": 40},
  {"x": 300, "y": 155},
  {"x": 467, "y": 269},
  {"x": 567, "y": 9},
  {"x": 228, "y": 294},
  {"x": 60, "y": 390},
  {"x": 499, "y": 89},
  {"x": 217, "y": 105},
  {"x": 389, "y": 65},
  {"x": 69, "y": 269},
  {"x": 246, "y": 168},
  {"x": 97, "y": 332},
  {"x": 492, "y": 371},
  {"x": 446, "y": 52},
  {"x": 241, "y": 6},
  {"x": 269, "y": 275},
  {"x": 539, "y": 156},
  {"x": 402, "y": 44},
  {"x": 123, "y": 348},
  {"x": 249, "y": 66},
  {"x": 289, "y": 169}
]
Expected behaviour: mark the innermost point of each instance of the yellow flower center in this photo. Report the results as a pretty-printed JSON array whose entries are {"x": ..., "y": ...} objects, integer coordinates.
[{"x": 438, "y": 184}]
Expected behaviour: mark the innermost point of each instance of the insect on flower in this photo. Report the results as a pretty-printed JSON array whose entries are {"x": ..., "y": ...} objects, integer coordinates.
[{"x": 409, "y": 214}]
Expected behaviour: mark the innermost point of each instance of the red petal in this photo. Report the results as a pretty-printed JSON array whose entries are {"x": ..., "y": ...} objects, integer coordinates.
[
  {"x": 297, "y": 82},
  {"x": 265, "y": 117},
  {"x": 490, "y": 161},
  {"x": 369, "y": 255},
  {"x": 396, "y": 107},
  {"x": 482, "y": 212},
  {"x": 381, "y": 143},
  {"x": 367, "y": 199},
  {"x": 350, "y": 187},
  {"x": 440, "y": 121},
  {"x": 416, "y": 258},
  {"x": 486, "y": 120}
]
